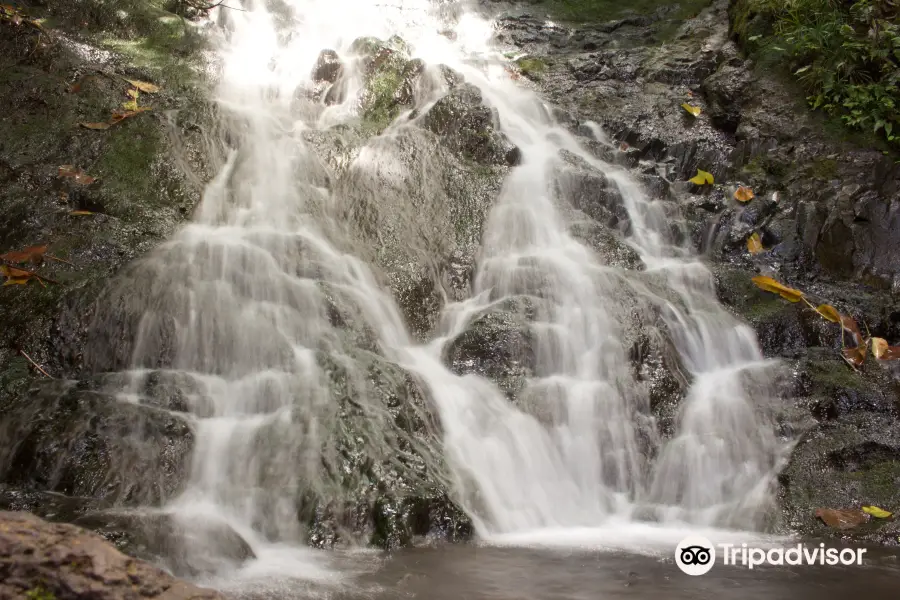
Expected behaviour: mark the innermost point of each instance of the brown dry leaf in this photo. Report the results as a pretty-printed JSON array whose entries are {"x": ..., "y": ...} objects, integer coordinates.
[
  {"x": 843, "y": 518},
  {"x": 119, "y": 115},
  {"x": 850, "y": 325},
  {"x": 754, "y": 244},
  {"x": 623, "y": 147},
  {"x": 133, "y": 93},
  {"x": 79, "y": 176},
  {"x": 743, "y": 194},
  {"x": 829, "y": 313},
  {"x": 855, "y": 356},
  {"x": 880, "y": 349},
  {"x": 81, "y": 212},
  {"x": 34, "y": 254},
  {"x": 770, "y": 285},
  {"x": 144, "y": 86},
  {"x": 96, "y": 125}
]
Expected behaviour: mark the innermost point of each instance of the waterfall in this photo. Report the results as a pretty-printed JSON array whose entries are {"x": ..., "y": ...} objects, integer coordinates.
[{"x": 241, "y": 299}]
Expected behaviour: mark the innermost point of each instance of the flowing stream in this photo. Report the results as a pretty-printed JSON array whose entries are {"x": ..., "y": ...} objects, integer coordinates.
[{"x": 244, "y": 290}]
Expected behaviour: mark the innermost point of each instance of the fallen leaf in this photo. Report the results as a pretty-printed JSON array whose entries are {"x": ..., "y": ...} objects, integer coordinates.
[
  {"x": 878, "y": 513},
  {"x": 880, "y": 349},
  {"x": 702, "y": 178},
  {"x": 79, "y": 176},
  {"x": 879, "y": 345},
  {"x": 754, "y": 244},
  {"x": 770, "y": 285},
  {"x": 16, "y": 276},
  {"x": 829, "y": 313},
  {"x": 34, "y": 254},
  {"x": 131, "y": 105},
  {"x": 81, "y": 212},
  {"x": 97, "y": 125},
  {"x": 845, "y": 518},
  {"x": 694, "y": 110},
  {"x": 118, "y": 115},
  {"x": 144, "y": 86},
  {"x": 133, "y": 93},
  {"x": 743, "y": 194},
  {"x": 848, "y": 324},
  {"x": 17, "y": 281},
  {"x": 855, "y": 356}
]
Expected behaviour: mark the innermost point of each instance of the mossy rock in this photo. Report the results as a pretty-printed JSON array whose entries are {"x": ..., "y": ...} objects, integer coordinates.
[{"x": 848, "y": 463}]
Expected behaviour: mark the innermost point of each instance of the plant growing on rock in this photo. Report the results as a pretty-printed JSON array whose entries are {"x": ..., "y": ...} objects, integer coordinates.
[
  {"x": 845, "y": 54},
  {"x": 855, "y": 355}
]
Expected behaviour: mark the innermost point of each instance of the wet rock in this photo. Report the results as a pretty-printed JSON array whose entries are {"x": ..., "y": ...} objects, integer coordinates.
[
  {"x": 497, "y": 345},
  {"x": 46, "y": 505},
  {"x": 725, "y": 91},
  {"x": 150, "y": 170},
  {"x": 328, "y": 67},
  {"x": 381, "y": 474},
  {"x": 44, "y": 560},
  {"x": 470, "y": 128},
  {"x": 424, "y": 228},
  {"x": 851, "y": 462},
  {"x": 83, "y": 443},
  {"x": 184, "y": 545}
]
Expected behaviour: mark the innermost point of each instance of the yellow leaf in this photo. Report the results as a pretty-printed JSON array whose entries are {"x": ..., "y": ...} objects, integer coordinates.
[
  {"x": 17, "y": 281},
  {"x": 770, "y": 285},
  {"x": 828, "y": 312},
  {"x": 743, "y": 194},
  {"x": 878, "y": 513},
  {"x": 702, "y": 178},
  {"x": 96, "y": 125},
  {"x": 694, "y": 110},
  {"x": 133, "y": 93},
  {"x": 754, "y": 244},
  {"x": 81, "y": 212},
  {"x": 882, "y": 351},
  {"x": 131, "y": 105},
  {"x": 144, "y": 86}
]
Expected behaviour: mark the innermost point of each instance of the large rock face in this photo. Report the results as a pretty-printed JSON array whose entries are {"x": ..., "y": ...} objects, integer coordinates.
[
  {"x": 825, "y": 209},
  {"x": 42, "y": 560}
]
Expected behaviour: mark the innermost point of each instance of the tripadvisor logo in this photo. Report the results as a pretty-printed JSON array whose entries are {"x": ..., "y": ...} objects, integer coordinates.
[{"x": 696, "y": 555}]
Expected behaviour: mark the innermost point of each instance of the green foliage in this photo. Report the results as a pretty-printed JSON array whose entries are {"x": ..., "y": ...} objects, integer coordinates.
[
  {"x": 580, "y": 11},
  {"x": 39, "y": 593},
  {"x": 532, "y": 67},
  {"x": 845, "y": 54}
]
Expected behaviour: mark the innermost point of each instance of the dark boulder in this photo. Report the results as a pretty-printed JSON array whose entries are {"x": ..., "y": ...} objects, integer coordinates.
[
  {"x": 188, "y": 545},
  {"x": 84, "y": 443}
]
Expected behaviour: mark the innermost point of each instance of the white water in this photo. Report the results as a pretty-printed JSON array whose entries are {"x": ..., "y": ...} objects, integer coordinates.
[{"x": 239, "y": 288}]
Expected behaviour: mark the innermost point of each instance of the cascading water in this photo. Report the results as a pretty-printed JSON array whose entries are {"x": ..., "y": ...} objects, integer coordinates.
[{"x": 239, "y": 299}]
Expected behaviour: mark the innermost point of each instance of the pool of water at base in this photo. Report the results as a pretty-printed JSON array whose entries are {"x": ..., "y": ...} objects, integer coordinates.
[{"x": 471, "y": 572}]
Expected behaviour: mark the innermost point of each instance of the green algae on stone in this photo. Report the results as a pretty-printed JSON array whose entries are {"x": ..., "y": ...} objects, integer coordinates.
[{"x": 532, "y": 68}]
